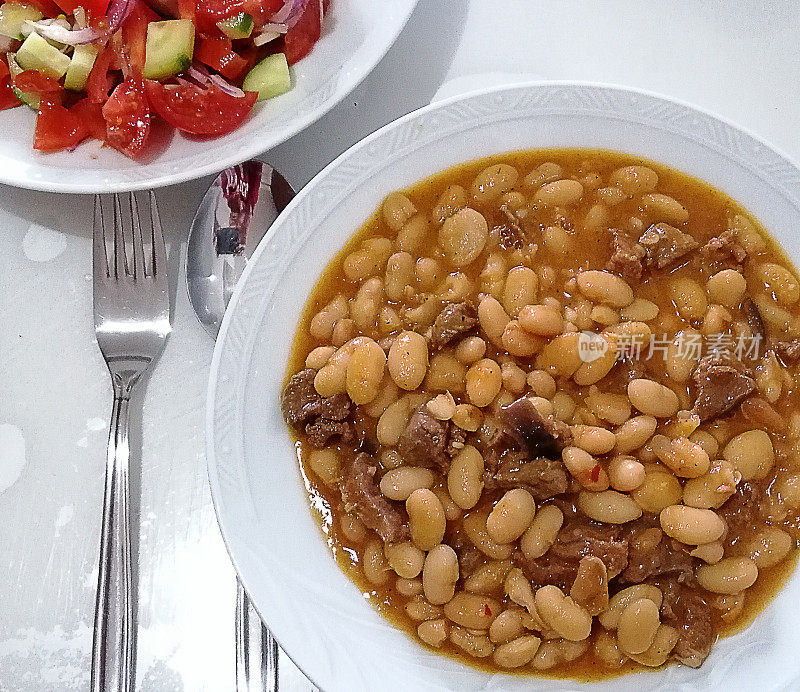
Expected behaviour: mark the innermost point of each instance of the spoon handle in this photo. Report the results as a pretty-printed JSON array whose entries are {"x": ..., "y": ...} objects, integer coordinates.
[{"x": 256, "y": 649}]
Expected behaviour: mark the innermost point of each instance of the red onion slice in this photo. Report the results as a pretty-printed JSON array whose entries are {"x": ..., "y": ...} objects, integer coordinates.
[
  {"x": 200, "y": 75},
  {"x": 275, "y": 27},
  {"x": 296, "y": 13},
  {"x": 226, "y": 86},
  {"x": 283, "y": 14},
  {"x": 265, "y": 37},
  {"x": 118, "y": 12},
  {"x": 69, "y": 37}
]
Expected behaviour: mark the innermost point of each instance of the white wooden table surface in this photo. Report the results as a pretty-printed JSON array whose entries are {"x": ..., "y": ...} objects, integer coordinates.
[{"x": 741, "y": 60}]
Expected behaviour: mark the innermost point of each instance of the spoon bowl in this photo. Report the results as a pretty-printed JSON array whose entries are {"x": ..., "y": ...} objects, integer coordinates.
[{"x": 236, "y": 212}]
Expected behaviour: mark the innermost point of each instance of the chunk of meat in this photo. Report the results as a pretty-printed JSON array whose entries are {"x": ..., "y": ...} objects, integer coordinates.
[
  {"x": 626, "y": 256},
  {"x": 724, "y": 249},
  {"x": 323, "y": 418},
  {"x": 567, "y": 505},
  {"x": 741, "y": 511},
  {"x": 541, "y": 437},
  {"x": 543, "y": 478},
  {"x": 788, "y": 351},
  {"x": 721, "y": 385},
  {"x": 511, "y": 233},
  {"x": 469, "y": 557},
  {"x": 666, "y": 558},
  {"x": 321, "y": 430},
  {"x": 300, "y": 401},
  {"x": 364, "y": 432},
  {"x": 685, "y": 609},
  {"x": 360, "y": 493},
  {"x": 754, "y": 320},
  {"x": 424, "y": 441},
  {"x": 455, "y": 319},
  {"x": 761, "y": 414},
  {"x": 630, "y": 369},
  {"x": 579, "y": 538},
  {"x": 456, "y": 440},
  {"x": 493, "y": 441},
  {"x": 664, "y": 244}
]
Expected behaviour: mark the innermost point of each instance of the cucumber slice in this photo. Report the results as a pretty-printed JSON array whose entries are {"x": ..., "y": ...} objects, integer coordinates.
[
  {"x": 269, "y": 78},
  {"x": 37, "y": 54},
  {"x": 13, "y": 16},
  {"x": 30, "y": 100},
  {"x": 169, "y": 49},
  {"x": 240, "y": 26},
  {"x": 80, "y": 67}
]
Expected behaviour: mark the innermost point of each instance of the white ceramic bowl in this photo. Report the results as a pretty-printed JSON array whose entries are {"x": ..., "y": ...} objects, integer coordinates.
[
  {"x": 356, "y": 35},
  {"x": 317, "y": 614}
]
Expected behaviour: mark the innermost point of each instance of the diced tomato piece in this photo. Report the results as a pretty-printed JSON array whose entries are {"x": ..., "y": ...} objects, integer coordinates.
[
  {"x": 218, "y": 54},
  {"x": 270, "y": 7},
  {"x": 208, "y": 12},
  {"x": 127, "y": 117},
  {"x": 56, "y": 127},
  {"x": 4, "y": 71},
  {"x": 300, "y": 39},
  {"x": 7, "y": 98},
  {"x": 100, "y": 82},
  {"x": 251, "y": 55},
  {"x": 47, "y": 7},
  {"x": 134, "y": 33},
  {"x": 91, "y": 114},
  {"x": 95, "y": 8},
  {"x": 33, "y": 82},
  {"x": 186, "y": 9},
  {"x": 206, "y": 112}
]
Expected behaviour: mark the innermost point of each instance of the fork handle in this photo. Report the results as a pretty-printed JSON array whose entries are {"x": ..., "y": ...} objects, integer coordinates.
[
  {"x": 114, "y": 636},
  {"x": 256, "y": 648}
]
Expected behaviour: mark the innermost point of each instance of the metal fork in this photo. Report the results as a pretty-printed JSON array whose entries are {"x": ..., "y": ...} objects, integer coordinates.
[{"x": 132, "y": 323}]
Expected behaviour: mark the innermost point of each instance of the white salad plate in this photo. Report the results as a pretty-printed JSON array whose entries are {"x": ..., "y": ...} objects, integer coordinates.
[
  {"x": 356, "y": 34},
  {"x": 317, "y": 614}
]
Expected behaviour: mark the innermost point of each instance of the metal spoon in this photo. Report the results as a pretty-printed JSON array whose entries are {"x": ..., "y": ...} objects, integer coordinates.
[{"x": 234, "y": 215}]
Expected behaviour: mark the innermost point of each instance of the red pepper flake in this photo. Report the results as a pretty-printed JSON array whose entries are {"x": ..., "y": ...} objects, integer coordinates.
[
  {"x": 595, "y": 475},
  {"x": 487, "y": 610}
]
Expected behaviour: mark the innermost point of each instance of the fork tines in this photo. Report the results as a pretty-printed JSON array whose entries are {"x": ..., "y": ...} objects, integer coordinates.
[{"x": 135, "y": 250}]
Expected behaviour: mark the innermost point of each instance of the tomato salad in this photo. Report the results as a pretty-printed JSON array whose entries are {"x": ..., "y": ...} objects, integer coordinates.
[{"x": 104, "y": 69}]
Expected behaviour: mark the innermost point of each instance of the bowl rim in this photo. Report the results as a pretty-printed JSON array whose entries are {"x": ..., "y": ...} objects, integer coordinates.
[
  {"x": 187, "y": 173},
  {"x": 211, "y": 397}
]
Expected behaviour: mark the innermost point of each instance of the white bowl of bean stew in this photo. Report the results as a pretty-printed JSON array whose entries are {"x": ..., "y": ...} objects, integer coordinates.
[{"x": 507, "y": 399}]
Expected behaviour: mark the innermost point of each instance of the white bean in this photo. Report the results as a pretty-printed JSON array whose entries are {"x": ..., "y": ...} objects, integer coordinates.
[
  {"x": 440, "y": 574},
  {"x": 511, "y": 516},
  {"x": 427, "y": 518},
  {"x": 608, "y": 506},
  {"x": 463, "y": 237},
  {"x": 465, "y": 477},
  {"x": 691, "y": 525},
  {"x": 605, "y": 287}
]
